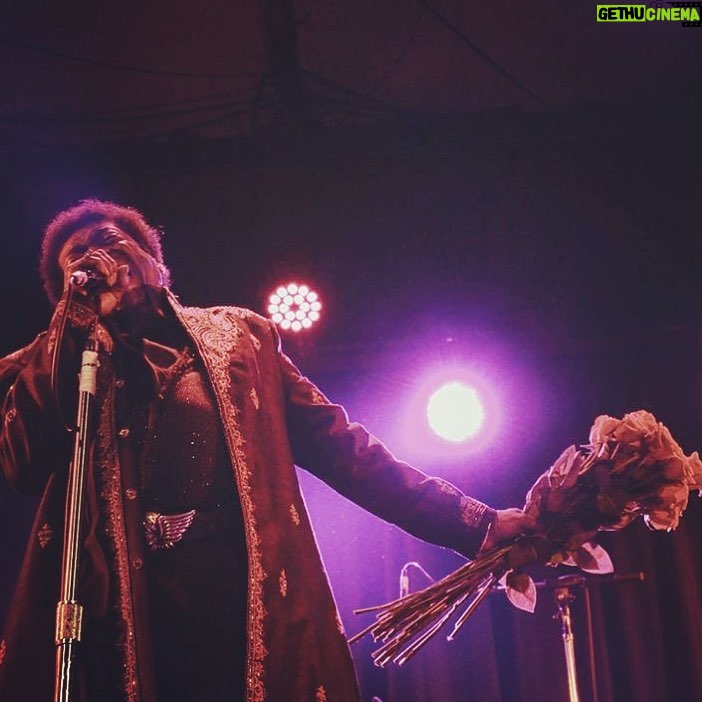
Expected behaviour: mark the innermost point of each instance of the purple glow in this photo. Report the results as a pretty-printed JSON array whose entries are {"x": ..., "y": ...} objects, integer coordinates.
[{"x": 466, "y": 419}]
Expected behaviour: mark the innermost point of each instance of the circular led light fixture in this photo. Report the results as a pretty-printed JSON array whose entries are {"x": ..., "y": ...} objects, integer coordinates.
[{"x": 294, "y": 307}]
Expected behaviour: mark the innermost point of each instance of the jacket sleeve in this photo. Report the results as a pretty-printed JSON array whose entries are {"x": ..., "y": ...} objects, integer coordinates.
[
  {"x": 357, "y": 465},
  {"x": 34, "y": 441}
]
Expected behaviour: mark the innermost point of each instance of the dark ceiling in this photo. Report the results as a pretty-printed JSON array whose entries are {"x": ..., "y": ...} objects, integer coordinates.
[
  {"x": 522, "y": 164},
  {"x": 86, "y": 71}
]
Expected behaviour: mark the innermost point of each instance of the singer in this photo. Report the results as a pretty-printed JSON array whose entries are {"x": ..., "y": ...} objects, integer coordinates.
[{"x": 199, "y": 574}]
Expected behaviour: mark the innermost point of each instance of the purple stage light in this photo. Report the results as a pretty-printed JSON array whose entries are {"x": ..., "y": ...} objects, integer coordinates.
[
  {"x": 448, "y": 408},
  {"x": 455, "y": 412}
]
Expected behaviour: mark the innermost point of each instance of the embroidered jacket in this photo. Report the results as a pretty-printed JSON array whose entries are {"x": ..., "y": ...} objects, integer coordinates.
[{"x": 272, "y": 418}]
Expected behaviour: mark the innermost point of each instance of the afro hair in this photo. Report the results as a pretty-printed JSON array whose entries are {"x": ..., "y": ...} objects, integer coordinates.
[{"x": 84, "y": 214}]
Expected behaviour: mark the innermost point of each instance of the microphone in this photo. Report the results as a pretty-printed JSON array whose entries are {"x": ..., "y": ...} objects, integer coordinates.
[{"x": 88, "y": 279}]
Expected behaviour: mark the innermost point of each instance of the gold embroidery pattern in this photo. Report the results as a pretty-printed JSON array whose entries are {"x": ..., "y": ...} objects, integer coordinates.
[
  {"x": 472, "y": 512},
  {"x": 321, "y": 695},
  {"x": 254, "y": 398},
  {"x": 215, "y": 332},
  {"x": 294, "y": 515},
  {"x": 104, "y": 338},
  {"x": 3, "y": 650},
  {"x": 447, "y": 488},
  {"x": 44, "y": 535},
  {"x": 256, "y": 343},
  {"x": 283, "y": 583},
  {"x": 111, "y": 493},
  {"x": 318, "y": 398},
  {"x": 51, "y": 339},
  {"x": 80, "y": 317}
]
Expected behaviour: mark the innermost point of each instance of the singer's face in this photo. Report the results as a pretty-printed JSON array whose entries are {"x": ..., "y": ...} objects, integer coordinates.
[
  {"x": 115, "y": 256},
  {"x": 104, "y": 236}
]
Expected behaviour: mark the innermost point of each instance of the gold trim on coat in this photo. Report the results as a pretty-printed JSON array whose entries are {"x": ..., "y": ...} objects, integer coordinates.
[{"x": 216, "y": 332}]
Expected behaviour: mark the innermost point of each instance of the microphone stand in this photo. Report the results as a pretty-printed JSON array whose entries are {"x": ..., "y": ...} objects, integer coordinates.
[
  {"x": 69, "y": 612},
  {"x": 563, "y": 594},
  {"x": 564, "y": 597}
]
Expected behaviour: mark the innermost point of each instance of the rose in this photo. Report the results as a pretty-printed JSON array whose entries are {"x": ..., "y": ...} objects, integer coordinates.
[
  {"x": 649, "y": 457},
  {"x": 669, "y": 505},
  {"x": 630, "y": 431}
]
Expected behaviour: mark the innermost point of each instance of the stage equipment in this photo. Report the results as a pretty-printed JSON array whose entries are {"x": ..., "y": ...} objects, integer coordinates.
[
  {"x": 564, "y": 596},
  {"x": 69, "y": 612},
  {"x": 294, "y": 307},
  {"x": 564, "y": 590},
  {"x": 455, "y": 412}
]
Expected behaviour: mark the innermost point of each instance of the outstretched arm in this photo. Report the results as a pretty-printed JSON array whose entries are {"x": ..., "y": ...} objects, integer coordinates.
[{"x": 356, "y": 464}]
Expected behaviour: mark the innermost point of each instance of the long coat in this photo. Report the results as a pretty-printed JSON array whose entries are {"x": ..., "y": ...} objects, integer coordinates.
[{"x": 272, "y": 418}]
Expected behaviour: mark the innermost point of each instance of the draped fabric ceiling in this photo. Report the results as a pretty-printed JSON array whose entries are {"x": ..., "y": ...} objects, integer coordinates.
[{"x": 84, "y": 71}]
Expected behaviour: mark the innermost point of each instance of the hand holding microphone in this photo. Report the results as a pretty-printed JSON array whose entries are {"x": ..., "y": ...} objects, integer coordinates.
[
  {"x": 99, "y": 276},
  {"x": 104, "y": 274}
]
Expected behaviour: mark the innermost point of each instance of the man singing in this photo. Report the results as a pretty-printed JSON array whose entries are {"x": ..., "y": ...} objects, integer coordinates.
[{"x": 199, "y": 573}]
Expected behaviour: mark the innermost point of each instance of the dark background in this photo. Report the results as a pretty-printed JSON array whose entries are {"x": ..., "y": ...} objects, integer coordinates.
[{"x": 513, "y": 189}]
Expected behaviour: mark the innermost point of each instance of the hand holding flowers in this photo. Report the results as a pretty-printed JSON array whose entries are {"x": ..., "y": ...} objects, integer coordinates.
[{"x": 629, "y": 467}]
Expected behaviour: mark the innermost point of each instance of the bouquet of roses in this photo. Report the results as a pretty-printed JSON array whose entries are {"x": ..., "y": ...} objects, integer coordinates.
[{"x": 629, "y": 467}]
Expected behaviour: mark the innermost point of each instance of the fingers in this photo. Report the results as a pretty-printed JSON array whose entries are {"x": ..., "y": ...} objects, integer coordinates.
[
  {"x": 124, "y": 276},
  {"x": 148, "y": 269},
  {"x": 103, "y": 264},
  {"x": 118, "y": 265},
  {"x": 508, "y": 525},
  {"x": 518, "y": 519}
]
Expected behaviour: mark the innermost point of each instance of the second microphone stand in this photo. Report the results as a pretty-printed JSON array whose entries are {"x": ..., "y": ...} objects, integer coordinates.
[{"x": 564, "y": 596}]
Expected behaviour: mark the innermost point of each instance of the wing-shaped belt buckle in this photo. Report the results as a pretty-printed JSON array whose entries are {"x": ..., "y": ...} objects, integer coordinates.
[{"x": 166, "y": 530}]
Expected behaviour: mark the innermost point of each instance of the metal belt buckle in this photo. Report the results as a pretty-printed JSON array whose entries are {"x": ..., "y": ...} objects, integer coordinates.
[{"x": 166, "y": 530}]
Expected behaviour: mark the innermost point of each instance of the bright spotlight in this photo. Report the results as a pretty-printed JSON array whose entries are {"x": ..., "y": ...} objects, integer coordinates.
[
  {"x": 454, "y": 412},
  {"x": 294, "y": 307}
]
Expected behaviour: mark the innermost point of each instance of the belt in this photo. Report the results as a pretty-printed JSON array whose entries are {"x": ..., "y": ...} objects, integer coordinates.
[{"x": 166, "y": 530}]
